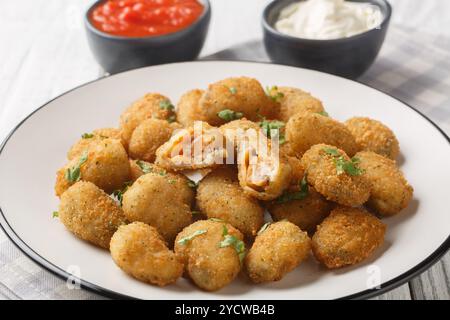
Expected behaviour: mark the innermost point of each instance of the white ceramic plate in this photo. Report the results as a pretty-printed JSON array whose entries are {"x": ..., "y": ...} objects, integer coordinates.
[{"x": 37, "y": 147}]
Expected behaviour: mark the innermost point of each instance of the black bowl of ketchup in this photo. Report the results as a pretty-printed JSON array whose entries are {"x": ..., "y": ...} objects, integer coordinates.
[{"x": 128, "y": 34}]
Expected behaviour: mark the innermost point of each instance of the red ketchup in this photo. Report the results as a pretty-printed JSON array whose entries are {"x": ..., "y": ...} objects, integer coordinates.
[{"x": 144, "y": 18}]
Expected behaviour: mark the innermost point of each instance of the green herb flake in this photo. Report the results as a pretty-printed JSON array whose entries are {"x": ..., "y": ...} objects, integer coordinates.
[
  {"x": 172, "y": 118},
  {"x": 74, "y": 174},
  {"x": 274, "y": 94},
  {"x": 323, "y": 113},
  {"x": 144, "y": 166},
  {"x": 233, "y": 90},
  {"x": 55, "y": 214},
  {"x": 264, "y": 228},
  {"x": 343, "y": 165},
  {"x": 118, "y": 194},
  {"x": 184, "y": 241},
  {"x": 229, "y": 115},
  {"x": 172, "y": 181},
  {"x": 216, "y": 220},
  {"x": 87, "y": 136},
  {"x": 196, "y": 212},
  {"x": 268, "y": 125},
  {"x": 166, "y": 105},
  {"x": 299, "y": 195},
  {"x": 232, "y": 241},
  {"x": 192, "y": 184}
]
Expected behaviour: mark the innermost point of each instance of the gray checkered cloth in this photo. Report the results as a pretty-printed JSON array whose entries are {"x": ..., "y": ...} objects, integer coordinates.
[{"x": 412, "y": 66}]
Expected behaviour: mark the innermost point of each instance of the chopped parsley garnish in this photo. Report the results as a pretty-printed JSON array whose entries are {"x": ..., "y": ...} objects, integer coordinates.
[
  {"x": 299, "y": 195},
  {"x": 192, "y": 184},
  {"x": 274, "y": 94},
  {"x": 55, "y": 214},
  {"x": 118, "y": 194},
  {"x": 268, "y": 125},
  {"x": 195, "y": 213},
  {"x": 216, "y": 220},
  {"x": 233, "y": 90},
  {"x": 166, "y": 105},
  {"x": 172, "y": 118},
  {"x": 323, "y": 113},
  {"x": 74, "y": 174},
  {"x": 184, "y": 241},
  {"x": 87, "y": 135},
  {"x": 264, "y": 227},
  {"x": 232, "y": 241},
  {"x": 343, "y": 165},
  {"x": 229, "y": 115},
  {"x": 145, "y": 167},
  {"x": 172, "y": 181}
]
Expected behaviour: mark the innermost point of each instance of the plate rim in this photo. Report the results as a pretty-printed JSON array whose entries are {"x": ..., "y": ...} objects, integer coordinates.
[{"x": 421, "y": 267}]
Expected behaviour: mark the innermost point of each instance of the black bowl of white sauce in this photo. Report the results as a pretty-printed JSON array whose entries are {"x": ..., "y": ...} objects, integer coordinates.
[{"x": 334, "y": 36}]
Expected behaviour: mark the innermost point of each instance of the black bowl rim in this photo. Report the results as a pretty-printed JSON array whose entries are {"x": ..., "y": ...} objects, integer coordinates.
[
  {"x": 169, "y": 36},
  {"x": 269, "y": 28},
  {"x": 421, "y": 267}
]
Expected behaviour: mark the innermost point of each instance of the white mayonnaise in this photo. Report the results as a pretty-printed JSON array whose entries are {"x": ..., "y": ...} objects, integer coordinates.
[{"x": 328, "y": 19}]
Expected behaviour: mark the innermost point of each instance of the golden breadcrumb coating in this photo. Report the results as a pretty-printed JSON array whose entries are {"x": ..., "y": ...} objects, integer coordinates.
[
  {"x": 372, "y": 135},
  {"x": 295, "y": 101},
  {"x": 141, "y": 252},
  {"x": 390, "y": 192},
  {"x": 106, "y": 165},
  {"x": 162, "y": 200},
  {"x": 188, "y": 108},
  {"x": 90, "y": 214},
  {"x": 243, "y": 94},
  {"x": 277, "y": 251},
  {"x": 347, "y": 236},
  {"x": 304, "y": 130},
  {"x": 322, "y": 173},
  {"x": 306, "y": 213},
  {"x": 210, "y": 266},
  {"x": 148, "y": 137},
  {"x": 152, "y": 105},
  {"x": 219, "y": 195}
]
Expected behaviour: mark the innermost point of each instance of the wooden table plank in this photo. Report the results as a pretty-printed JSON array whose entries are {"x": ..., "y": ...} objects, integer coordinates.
[
  {"x": 434, "y": 283},
  {"x": 400, "y": 293}
]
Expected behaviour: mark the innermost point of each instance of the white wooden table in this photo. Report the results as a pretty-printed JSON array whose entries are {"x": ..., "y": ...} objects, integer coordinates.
[{"x": 44, "y": 53}]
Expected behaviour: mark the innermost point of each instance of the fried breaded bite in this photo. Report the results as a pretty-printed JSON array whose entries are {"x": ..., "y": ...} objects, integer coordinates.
[
  {"x": 162, "y": 200},
  {"x": 277, "y": 250},
  {"x": 262, "y": 172},
  {"x": 81, "y": 145},
  {"x": 243, "y": 97},
  {"x": 304, "y": 130},
  {"x": 347, "y": 236},
  {"x": 374, "y": 136},
  {"x": 141, "y": 252},
  {"x": 390, "y": 192},
  {"x": 294, "y": 100},
  {"x": 139, "y": 168},
  {"x": 334, "y": 175},
  {"x": 148, "y": 137},
  {"x": 104, "y": 163},
  {"x": 297, "y": 171},
  {"x": 90, "y": 214},
  {"x": 188, "y": 109},
  {"x": 212, "y": 252},
  {"x": 152, "y": 105},
  {"x": 197, "y": 147},
  {"x": 219, "y": 195},
  {"x": 306, "y": 211}
]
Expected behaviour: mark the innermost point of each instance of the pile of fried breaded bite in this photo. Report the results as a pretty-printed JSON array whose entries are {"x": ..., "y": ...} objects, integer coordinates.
[{"x": 127, "y": 191}]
